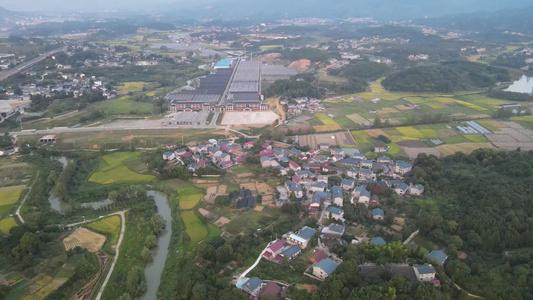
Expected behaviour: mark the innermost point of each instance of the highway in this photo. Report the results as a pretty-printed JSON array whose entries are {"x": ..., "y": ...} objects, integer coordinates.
[{"x": 27, "y": 65}]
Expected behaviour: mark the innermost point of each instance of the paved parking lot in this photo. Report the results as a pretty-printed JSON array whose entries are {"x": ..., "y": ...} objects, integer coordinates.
[{"x": 188, "y": 118}]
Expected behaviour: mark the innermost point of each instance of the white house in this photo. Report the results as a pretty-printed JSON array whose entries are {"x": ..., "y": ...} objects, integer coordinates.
[
  {"x": 416, "y": 190},
  {"x": 324, "y": 268},
  {"x": 424, "y": 272}
]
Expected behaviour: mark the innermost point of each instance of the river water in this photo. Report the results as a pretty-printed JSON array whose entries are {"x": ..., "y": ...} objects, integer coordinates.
[
  {"x": 523, "y": 85},
  {"x": 154, "y": 270}
]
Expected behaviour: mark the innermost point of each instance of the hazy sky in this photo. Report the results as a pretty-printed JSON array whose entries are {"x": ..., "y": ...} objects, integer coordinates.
[{"x": 229, "y": 6}]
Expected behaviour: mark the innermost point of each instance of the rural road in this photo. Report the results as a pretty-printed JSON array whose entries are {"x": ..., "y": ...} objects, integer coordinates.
[
  {"x": 122, "y": 230},
  {"x": 24, "y": 200},
  {"x": 254, "y": 265}
]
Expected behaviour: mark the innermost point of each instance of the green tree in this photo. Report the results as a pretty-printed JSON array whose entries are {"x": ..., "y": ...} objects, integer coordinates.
[{"x": 135, "y": 282}]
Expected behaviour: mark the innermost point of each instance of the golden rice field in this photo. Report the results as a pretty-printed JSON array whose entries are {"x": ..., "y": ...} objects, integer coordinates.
[{"x": 325, "y": 119}]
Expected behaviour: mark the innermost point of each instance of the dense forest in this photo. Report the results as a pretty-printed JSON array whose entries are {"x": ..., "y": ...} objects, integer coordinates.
[
  {"x": 357, "y": 73},
  {"x": 485, "y": 209},
  {"x": 314, "y": 55},
  {"x": 293, "y": 89},
  {"x": 446, "y": 77}
]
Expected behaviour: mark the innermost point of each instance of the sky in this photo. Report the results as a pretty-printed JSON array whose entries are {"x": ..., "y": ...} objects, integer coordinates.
[{"x": 408, "y": 8}]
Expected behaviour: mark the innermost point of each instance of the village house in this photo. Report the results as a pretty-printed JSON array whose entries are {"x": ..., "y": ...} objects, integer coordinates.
[
  {"x": 338, "y": 195},
  {"x": 347, "y": 184},
  {"x": 424, "y": 272},
  {"x": 352, "y": 173},
  {"x": 252, "y": 286},
  {"x": 295, "y": 188},
  {"x": 168, "y": 155},
  {"x": 317, "y": 256},
  {"x": 379, "y": 241},
  {"x": 439, "y": 256},
  {"x": 365, "y": 174},
  {"x": 266, "y": 161},
  {"x": 324, "y": 146},
  {"x": 416, "y": 190},
  {"x": 367, "y": 163},
  {"x": 337, "y": 151},
  {"x": 273, "y": 250},
  {"x": 384, "y": 160},
  {"x": 319, "y": 187},
  {"x": 402, "y": 167},
  {"x": 302, "y": 237},
  {"x": 401, "y": 188},
  {"x": 324, "y": 268},
  {"x": 294, "y": 166},
  {"x": 378, "y": 214},
  {"x": 322, "y": 178},
  {"x": 364, "y": 197},
  {"x": 335, "y": 212},
  {"x": 357, "y": 191},
  {"x": 333, "y": 232},
  {"x": 270, "y": 288}
]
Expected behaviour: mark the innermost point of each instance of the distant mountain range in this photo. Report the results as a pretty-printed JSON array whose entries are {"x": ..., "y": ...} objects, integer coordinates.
[{"x": 381, "y": 10}]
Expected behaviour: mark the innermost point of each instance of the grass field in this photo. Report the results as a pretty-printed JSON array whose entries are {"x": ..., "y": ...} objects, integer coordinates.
[
  {"x": 8, "y": 197},
  {"x": 132, "y": 86},
  {"x": 189, "y": 197},
  {"x": 7, "y": 224},
  {"x": 194, "y": 226},
  {"x": 357, "y": 119},
  {"x": 113, "y": 170},
  {"x": 523, "y": 118},
  {"x": 470, "y": 105},
  {"x": 246, "y": 220},
  {"x": 326, "y": 128},
  {"x": 123, "y": 105},
  {"x": 110, "y": 226},
  {"x": 410, "y": 132}
]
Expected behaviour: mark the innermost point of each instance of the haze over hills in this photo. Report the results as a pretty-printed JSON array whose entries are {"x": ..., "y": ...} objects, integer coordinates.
[{"x": 276, "y": 9}]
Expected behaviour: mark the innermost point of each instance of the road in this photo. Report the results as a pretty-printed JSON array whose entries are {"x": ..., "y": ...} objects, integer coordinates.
[
  {"x": 253, "y": 266},
  {"x": 24, "y": 200},
  {"x": 122, "y": 230},
  {"x": 25, "y": 66}
]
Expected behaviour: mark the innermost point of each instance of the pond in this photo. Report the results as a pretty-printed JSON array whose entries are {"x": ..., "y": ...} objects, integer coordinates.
[
  {"x": 154, "y": 270},
  {"x": 523, "y": 85}
]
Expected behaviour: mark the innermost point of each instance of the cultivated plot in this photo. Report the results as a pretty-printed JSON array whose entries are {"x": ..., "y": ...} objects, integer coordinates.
[{"x": 113, "y": 170}]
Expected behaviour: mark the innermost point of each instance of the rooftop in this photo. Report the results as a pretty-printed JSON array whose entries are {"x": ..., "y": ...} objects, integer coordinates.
[{"x": 327, "y": 265}]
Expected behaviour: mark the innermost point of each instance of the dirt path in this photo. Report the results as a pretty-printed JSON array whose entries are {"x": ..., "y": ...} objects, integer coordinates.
[
  {"x": 122, "y": 230},
  {"x": 279, "y": 108},
  {"x": 24, "y": 200}
]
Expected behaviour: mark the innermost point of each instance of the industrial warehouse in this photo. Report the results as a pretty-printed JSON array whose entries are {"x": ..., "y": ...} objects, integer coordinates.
[{"x": 235, "y": 86}]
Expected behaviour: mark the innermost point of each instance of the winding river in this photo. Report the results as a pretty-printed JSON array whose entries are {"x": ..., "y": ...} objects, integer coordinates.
[{"x": 154, "y": 270}]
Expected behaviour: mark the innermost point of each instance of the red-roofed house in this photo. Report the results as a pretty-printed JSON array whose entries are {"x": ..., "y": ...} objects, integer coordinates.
[
  {"x": 272, "y": 252},
  {"x": 201, "y": 163},
  {"x": 296, "y": 179},
  {"x": 249, "y": 145},
  {"x": 294, "y": 166},
  {"x": 317, "y": 256},
  {"x": 271, "y": 288},
  {"x": 240, "y": 160},
  {"x": 266, "y": 152}
]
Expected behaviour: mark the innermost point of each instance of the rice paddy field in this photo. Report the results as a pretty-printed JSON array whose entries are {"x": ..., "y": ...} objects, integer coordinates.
[
  {"x": 395, "y": 107},
  {"x": 110, "y": 225},
  {"x": 194, "y": 227},
  {"x": 8, "y": 197},
  {"x": 411, "y": 140},
  {"x": 7, "y": 224},
  {"x": 112, "y": 170},
  {"x": 189, "y": 197},
  {"x": 132, "y": 87}
]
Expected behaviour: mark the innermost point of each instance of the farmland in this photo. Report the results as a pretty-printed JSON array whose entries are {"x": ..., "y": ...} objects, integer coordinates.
[
  {"x": 189, "y": 197},
  {"x": 8, "y": 197},
  {"x": 112, "y": 169},
  {"x": 6, "y": 225},
  {"x": 110, "y": 226},
  {"x": 132, "y": 87},
  {"x": 196, "y": 230}
]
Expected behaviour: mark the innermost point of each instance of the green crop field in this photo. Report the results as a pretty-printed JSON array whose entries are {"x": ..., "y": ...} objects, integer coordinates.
[
  {"x": 523, "y": 118},
  {"x": 189, "y": 197},
  {"x": 123, "y": 105},
  {"x": 113, "y": 170},
  {"x": 478, "y": 138},
  {"x": 194, "y": 226},
  {"x": 246, "y": 220},
  {"x": 410, "y": 132},
  {"x": 132, "y": 87},
  {"x": 109, "y": 225},
  {"x": 325, "y": 119},
  {"x": 7, "y": 224},
  {"x": 9, "y": 196}
]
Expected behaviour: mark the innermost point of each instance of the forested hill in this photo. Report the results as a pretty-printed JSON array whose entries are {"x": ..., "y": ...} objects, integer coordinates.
[
  {"x": 446, "y": 77},
  {"x": 485, "y": 208}
]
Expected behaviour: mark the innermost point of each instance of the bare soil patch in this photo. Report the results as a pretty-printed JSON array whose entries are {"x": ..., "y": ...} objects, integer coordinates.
[
  {"x": 376, "y": 132},
  {"x": 413, "y": 152},
  {"x": 84, "y": 238},
  {"x": 403, "y": 107},
  {"x": 300, "y": 65},
  {"x": 221, "y": 222},
  {"x": 412, "y": 144}
]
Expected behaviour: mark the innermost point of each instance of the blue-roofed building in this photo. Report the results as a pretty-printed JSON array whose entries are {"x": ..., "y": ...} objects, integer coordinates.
[
  {"x": 364, "y": 197},
  {"x": 319, "y": 187},
  {"x": 223, "y": 63},
  {"x": 353, "y": 162},
  {"x": 324, "y": 268},
  {"x": 302, "y": 237},
  {"x": 367, "y": 163},
  {"x": 439, "y": 256},
  {"x": 337, "y": 151},
  {"x": 424, "y": 272},
  {"x": 305, "y": 174},
  {"x": 384, "y": 159},
  {"x": 352, "y": 172},
  {"x": 401, "y": 188},
  {"x": 416, "y": 190},
  {"x": 378, "y": 214},
  {"x": 402, "y": 167},
  {"x": 167, "y": 155},
  {"x": 347, "y": 184},
  {"x": 291, "y": 252},
  {"x": 338, "y": 195},
  {"x": 377, "y": 241},
  {"x": 335, "y": 212},
  {"x": 252, "y": 286},
  {"x": 333, "y": 232}
]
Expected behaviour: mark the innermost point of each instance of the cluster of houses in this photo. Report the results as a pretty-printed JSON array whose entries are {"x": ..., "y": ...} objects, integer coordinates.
[
  {"x": 303, "y": 104},
  {"x": 224, "y": 154}
]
